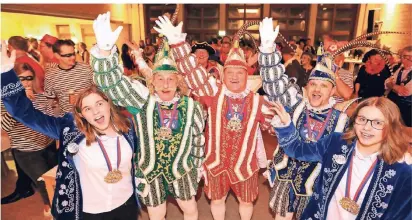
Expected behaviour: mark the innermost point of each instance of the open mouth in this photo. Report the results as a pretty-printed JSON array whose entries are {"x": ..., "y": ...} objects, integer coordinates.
[
  {"x": 99, "y": 119},
  {"x": 316, "y": 97},
  {"x": 366, "y": 136}
]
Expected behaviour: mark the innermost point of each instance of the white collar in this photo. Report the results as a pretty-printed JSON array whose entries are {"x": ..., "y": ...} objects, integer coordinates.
[
  {"x": 233, "y": 95},
  {"x": 319, "y": 110},
  {"x": 167, "y": 103},
  {"x": 360, "y": 156}
]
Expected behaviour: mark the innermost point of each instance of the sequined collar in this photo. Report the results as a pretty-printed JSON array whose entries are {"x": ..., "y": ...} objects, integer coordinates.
[
  {"x": 167, "y": 103},
  {"x": 320, "y": 110},
  {"x": 233, "y": 95}
]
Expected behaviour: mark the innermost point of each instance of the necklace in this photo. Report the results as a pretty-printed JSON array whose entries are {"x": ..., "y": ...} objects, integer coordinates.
[
  {"x": 113, "y": 176},
  {"x": 165, "y": 131},
  {"x": 346, "y": 202}
]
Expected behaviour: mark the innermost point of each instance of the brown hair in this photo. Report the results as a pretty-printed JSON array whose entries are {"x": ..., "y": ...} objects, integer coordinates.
[
  {"x": 19, "y": 43},
  {"x": 182, "y": 88},
  {"x": 120, "y": 123},
  {"x": 57, "y": 46},
  {"x": 20, "y": 68},
  {"x": 395, "y": 138}
]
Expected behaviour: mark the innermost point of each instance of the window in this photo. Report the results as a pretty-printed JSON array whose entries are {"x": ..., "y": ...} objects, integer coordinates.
[
  {"x": 152, "y": 12},
  {"x": 292, "y": 20},
  {"x": 63, "y": 32},
  {"x": 238, "y": 14},
  {"x": 336, "y": 20},
  {"x": 201, "y": 21}
]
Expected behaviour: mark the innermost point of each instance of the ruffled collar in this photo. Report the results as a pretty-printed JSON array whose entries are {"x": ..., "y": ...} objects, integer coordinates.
[
  {"x": 167, "y": 103},
  {"x": 320, "y": 110},
  {"x": 234, "y": 95}
]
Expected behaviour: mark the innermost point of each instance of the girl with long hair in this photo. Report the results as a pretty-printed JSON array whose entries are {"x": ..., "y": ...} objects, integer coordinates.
[
  {"x": 94, "y": 178},
  {"x": 366, "y": 171}
]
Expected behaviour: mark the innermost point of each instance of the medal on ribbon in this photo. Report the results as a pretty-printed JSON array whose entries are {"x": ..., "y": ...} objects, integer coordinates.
[
  {"x": 311, "y": 126},
  {"x": 114, "y": 175},
  {"x": 165, "y": 131},
  {"x": 346, "y": 202}
]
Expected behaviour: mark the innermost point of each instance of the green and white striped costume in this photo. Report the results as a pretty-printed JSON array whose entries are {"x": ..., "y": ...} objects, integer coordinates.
[{"x": 162, "y": 167}]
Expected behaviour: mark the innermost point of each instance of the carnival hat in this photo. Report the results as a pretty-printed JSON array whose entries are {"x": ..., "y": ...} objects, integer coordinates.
[
  {"x": 325, "y": 68},
  {"x": 49, "y": 39},
  {"x": 236, "y": 57},
  {"x": 163, "y": 62},
  {"x": 204, "y": 46}
]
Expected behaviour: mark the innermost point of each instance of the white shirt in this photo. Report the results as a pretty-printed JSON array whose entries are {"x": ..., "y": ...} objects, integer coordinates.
[
  {"x": 99, "y": 196},
  {"x": 361, "y": 165}
]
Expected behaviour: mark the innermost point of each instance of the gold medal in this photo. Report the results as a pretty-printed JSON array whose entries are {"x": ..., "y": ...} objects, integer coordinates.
[
  {"x": 349, "y": 205},
  {"x": 235, "y": 124},
  {"x": 165, "y": 133},
  {"x": 113, "y": 176}
]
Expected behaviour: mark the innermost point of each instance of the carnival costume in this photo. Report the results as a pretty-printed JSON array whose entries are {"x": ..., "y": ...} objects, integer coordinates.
[
  {"x": 292, "y": 180},
  {"x": 170, "y": 156},
  {"x": 233, "y": 152}
]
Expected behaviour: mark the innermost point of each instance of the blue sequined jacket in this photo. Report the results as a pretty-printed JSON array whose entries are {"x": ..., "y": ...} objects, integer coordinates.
[
  {"x": 67, "y": 201},
  {"x": 388, "y": 195}
]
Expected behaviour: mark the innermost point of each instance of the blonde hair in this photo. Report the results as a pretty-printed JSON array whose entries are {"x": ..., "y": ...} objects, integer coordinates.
[
  {"x": 395, "y": 138},
  {"x": 119, "y": 121},
  {"x": 182, "y": 88}
]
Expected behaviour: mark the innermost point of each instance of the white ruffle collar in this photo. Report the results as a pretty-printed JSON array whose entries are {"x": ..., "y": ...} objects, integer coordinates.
[
  {"x": 166, "y": 103},
  {"x": 319, "y": 110},
  {"x": 234, "y": 95}
]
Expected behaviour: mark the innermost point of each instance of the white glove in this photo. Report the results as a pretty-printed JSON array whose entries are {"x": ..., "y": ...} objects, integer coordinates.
[
  {"x": 267, "y": 35},
  {"x": 105, "y": 37},
  {"x": 173, "y": 34},
  {"x": 266, "y": 174},
  {"x": 7, "y": 63},
  {"x": 201, "y": 172},
  {"x": 145, "y": 191}
]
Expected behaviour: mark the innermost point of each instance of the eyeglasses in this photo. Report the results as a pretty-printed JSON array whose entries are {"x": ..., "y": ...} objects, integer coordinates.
[
  {"x": 376, "y": 124},
  {"x": 68, "y": 55},
  {"x": 26, "y": 78}
]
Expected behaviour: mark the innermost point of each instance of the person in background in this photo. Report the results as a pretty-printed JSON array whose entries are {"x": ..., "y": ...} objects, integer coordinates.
[
  {"x": 309, "y": 47},
  {"x": 302, "y": 44},
  {"x": 148, "y": 55},
  {"x": 371, "y": 76},
  {"x": 365, "y": 171},
  {"x": 292, "y": 66},
  {"x": 203, "y": 51},
  {"x": 224, "y": 51},
  {"x": 306, "y": 61},
  {"x": 226, "y": 39},
  {"x": 141, "y": 44},
  {"x": 344, "y": 81},
  {"x": 67, "y": 78},
  {"x": 85, "y": 55},
  {"x": 400, "y": 85},
  {"x": 128, "y": 63},
  {"x": 215, "y": 46},
  {"x": 30, "y": 148},
  {"x": 33, "y": 49},
  {"x": 21, "y": 46},
  {"x": 47, "y": 58}
]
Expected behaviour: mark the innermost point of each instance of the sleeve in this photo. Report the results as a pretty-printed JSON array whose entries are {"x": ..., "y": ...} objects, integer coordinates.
[
  {"x": 195, "y": 75},
  {"x": 108, "y": 76},
  {"x": 276, "y": 83},
  {"x": 22, "y": 109},
  {"x": 289, "y": 141},
  {"x": 198, "y": 142},
  {"x": 401, "y": 202},
  {"x": 7, "y": 122}
]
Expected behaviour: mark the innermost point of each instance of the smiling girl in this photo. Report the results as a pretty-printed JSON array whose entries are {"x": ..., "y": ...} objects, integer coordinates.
[{"x": 366, "y": 171}]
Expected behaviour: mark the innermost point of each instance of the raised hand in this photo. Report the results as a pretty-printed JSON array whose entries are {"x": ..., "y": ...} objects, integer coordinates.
[
  {"x": 281, "y": 113},
  {"x": 136, "y": 50},
  {"x": 7, "y": 63},
  {"x": 267, "y": 34},
  {"x": 105, "y": 37},
  {"x": 173, "y": 34}
]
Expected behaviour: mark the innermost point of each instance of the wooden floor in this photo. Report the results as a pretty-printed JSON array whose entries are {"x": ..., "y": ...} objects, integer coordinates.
[{"x": 31, "y": 208}]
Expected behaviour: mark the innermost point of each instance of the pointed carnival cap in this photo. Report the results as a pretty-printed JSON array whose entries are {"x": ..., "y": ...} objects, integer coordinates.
[
  {"x": 163, "y": 62},
  {"x": 236, "y": 57},
  {"x": 325, "y": 68}
]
